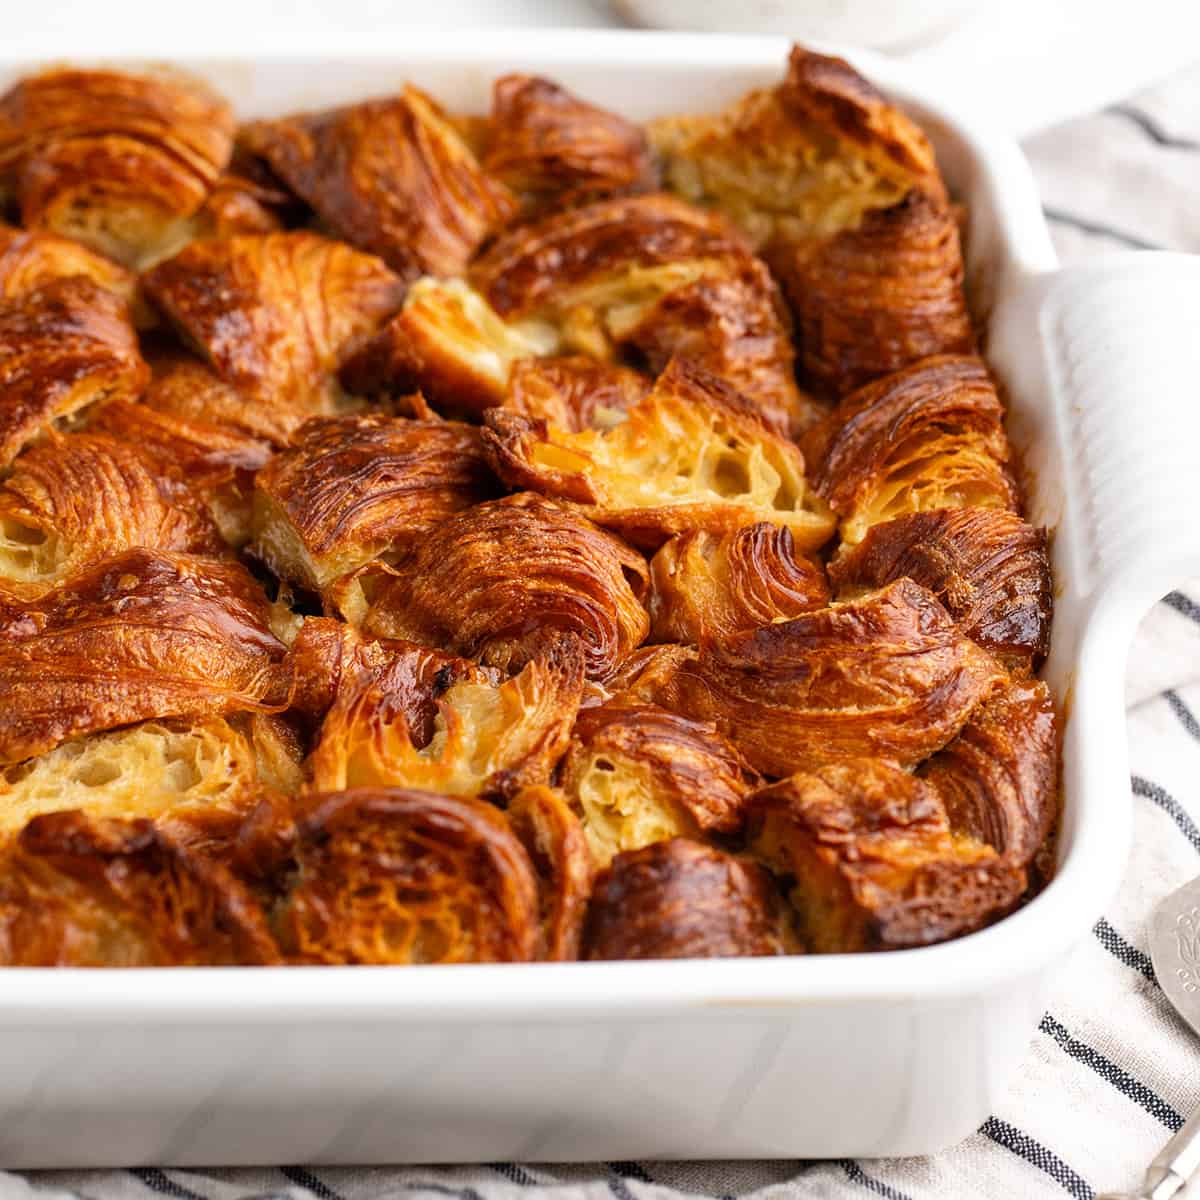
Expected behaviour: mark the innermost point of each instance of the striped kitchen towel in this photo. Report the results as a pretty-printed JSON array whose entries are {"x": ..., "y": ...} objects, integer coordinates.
[{"x": 1111, "y": 1071}]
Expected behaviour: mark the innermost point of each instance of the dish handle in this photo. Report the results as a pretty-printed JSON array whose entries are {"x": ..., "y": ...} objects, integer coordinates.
[{"x": 1121, "y": 359}]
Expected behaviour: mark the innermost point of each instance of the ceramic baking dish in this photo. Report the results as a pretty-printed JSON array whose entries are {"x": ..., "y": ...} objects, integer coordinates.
[{"x": 891, "y": 1054}]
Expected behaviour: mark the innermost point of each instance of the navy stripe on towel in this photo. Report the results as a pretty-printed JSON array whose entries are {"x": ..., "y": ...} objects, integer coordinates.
[{"x": 1033, "y": 1152}]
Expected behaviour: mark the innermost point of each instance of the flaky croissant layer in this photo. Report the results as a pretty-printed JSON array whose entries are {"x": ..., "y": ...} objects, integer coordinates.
[{"x": 439, "y": 538}]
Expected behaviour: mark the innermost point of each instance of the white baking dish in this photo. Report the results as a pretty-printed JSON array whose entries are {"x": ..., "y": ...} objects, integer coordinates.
[{"x": 851, "y": 1055}]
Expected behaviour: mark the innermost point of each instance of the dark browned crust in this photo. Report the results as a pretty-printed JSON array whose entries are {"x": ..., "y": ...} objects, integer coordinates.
[
  {"x": 391, "y": 176},
  {"x": 572, "y": 393},
  {"x": 389, "y": 876},
  {"x": 987, "y": 566},
  {"x": 80, "y": 892},
  {"x": 681, "y": 899}
]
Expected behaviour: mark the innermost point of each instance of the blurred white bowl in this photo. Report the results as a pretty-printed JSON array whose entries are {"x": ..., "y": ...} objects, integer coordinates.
[{"x": 880, "y": 24}]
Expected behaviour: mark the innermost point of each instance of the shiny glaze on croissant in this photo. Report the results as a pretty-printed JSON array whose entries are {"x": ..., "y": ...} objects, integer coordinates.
[
  {"x": 930, "y": 436},
  {"x": 655, "y": 275},
  {"x": 499, "y": 580},
  {"x": 488, "y": 737},
  {"x": 554, "y": 840},
  {"x": 690, "y": 455},
  {"x": 682, "y": 899},
  {"x": 390, "y": 176},
  {"x": 352, "y": 487},
  {"x": 402, "y": 877},
  {"x": 809, "y": 156},
  {"x": 552, "y": 148},
  {"x": 889, "y": 674},
  {"x": 573, "y": 393},
  {"x": 78, "y": 891},
  {"x": 72, "y": 501},
  {"x": 877, "y": 297},
  {"x": 146, "y": 634},
  {"x": 274, "y": 315},
  {"x": 118, "y": 161},
  {"x": 64, "y": 346},
  {"x": 998, "y": 779},
  {"x": 29, "y": 259},
  {"x": 873, "y": 862},
  {"x": 706, "y": 586},
  {"x": 987, "y": 566},
  {"x": 639, "y": 774}
]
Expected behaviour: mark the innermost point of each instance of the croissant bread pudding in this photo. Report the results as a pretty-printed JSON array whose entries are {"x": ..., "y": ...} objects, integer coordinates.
[{"x": 433, "y": 537}]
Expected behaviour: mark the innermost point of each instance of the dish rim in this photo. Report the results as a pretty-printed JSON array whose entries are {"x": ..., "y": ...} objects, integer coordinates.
[{"x": 1017, "y": 947}]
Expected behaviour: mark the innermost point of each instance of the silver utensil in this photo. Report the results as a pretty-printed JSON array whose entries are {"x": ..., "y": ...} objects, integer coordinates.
[{"x": 1175, "y": 952}]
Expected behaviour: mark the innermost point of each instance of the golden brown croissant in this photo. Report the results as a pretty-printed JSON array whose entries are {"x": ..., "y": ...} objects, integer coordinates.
[
  {"x": 391, "y": 176},
  {"x": 498, "y": 581},
  {"x": 274, "y": 315},
  {"x": 655, "y": 275},
  {"x": 82, "y": 891},
  {"x": 246, "y": 198},
  {"x": 199, "y": 778},
  {"x": 74, "y": 500},
  {"x": 554, "y": 149},
  {"x": 64, "y": 346},
  {"x": 987, "y": 566},
  {"x": 553, "y": 838},
  {"x": 398, "y": 877},
  {"x": 929, "y": 436},
  {"x": 690, "y": 455},
  {"x": 680, "y": 899},
  {"x": 352, "y": 487},
  {"x": 573, "y": 393},
  {"x": 640, "y": 774},
  {"x": 809, "y": 156},
  {"x": 451, "y": 344},
  {"x": 146, "y": 634},
  {"x": 998, "y": 779},
  {"x": 705, "y": 586},
  {"x": 876, "y": 297},
  {"x": 117, "y": 161},
  {"x": 488, "y": 738},
  {"x": 872, "y": 861},
  {"x": 888, "y": 674},
  {"x": 30, "y": 259}
]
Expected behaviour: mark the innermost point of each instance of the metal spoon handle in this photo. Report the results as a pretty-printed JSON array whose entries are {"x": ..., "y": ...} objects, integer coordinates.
[{"x": 1176, "y": 1163}]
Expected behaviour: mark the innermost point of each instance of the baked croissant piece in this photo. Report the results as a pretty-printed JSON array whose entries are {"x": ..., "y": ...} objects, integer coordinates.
[
  {"x": 638, "y": 774},
  {"x": 810, "y": 156},
  {"x": 391, "y": 176},
  {"x": 682, "y": 899},
  {"x": 877, "y": 297},
  {"x": 72, "y": 501},
  {"x": 706, "y": 586},
  {"x": 987, "y": 566},
  {"x": 275, "y": 314},
  {"x": 448, "y": 342},
  {"x": 64, "y": 346},
  {"x": 573, "y": 393},
  {"x": 191, "y": 424},
  {"x": 80, "y": 891},
  {"x": 500, "y": 580},
  {"x": 998, "y": 779},
  {"x": 350, "y": 488},
  {"x": 403, "y": 877},
  {"x": 888, "y": 674},
  {"x": 554, "y": 840},
  {"x": 146, "y": 634},
  {"x": 29, "y": 259},
  {"x": 690, "y": 455},
  {"x": 927, "y": 437},
  {"x": 117, "y": 161},
  {"x": 489, "y": 737},
  {"x": 657, "y": 276},
  {"x": 201, "y": 778},
  {"x": 555, "y": 150},
  {"x": 872, "y": 860}
]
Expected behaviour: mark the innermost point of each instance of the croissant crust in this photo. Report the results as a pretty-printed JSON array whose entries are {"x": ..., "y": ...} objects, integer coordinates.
[
  {"x": 394, "y": 877},
  {"x": 681, "y": 899}
]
